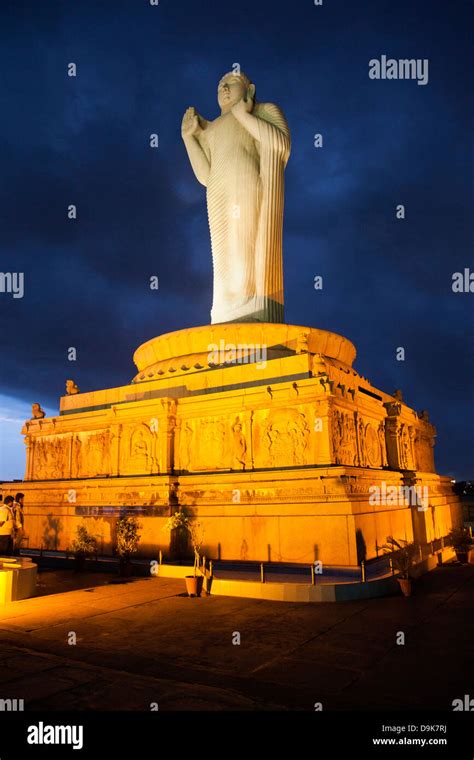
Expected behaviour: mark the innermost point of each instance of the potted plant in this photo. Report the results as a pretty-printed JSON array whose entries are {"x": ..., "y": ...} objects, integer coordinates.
[
  {"x": 127, "y": 539},
  {"x": 182, "y": 522},
  {"x": 461, "y": 541},
  {"x": 83, "y": 545},
  {"x": 404, "y": 554}
]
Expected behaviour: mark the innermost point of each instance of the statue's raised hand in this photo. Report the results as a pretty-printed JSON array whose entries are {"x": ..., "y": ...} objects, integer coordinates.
[{"x": 190, "y": 125}]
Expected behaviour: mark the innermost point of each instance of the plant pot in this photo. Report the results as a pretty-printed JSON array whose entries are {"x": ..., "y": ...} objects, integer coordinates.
[
  {"x": 194, "y": 584},
  {"x": 462, "y": 555},
  {"x": 79, "y": 563},
  {"x": 405, "y": 585},
  {"x": 125, "y": 567}
]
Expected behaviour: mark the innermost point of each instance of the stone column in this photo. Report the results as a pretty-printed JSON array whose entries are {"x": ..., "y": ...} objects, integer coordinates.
[
  {"x": 392, "y": 434},
  {"x": 29, "y": 443}
]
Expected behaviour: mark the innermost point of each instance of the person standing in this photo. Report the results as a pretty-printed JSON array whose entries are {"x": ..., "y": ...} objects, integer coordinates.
[
  {"x": 6, "y": 526},
  {"x": 18, "y": 522}
]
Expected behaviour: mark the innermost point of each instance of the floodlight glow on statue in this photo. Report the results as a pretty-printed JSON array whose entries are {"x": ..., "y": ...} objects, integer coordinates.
[{"x": 240, "y": 158}]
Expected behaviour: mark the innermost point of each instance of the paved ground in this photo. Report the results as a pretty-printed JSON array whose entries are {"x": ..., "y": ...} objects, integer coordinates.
[{"x": 142, "y": 640}]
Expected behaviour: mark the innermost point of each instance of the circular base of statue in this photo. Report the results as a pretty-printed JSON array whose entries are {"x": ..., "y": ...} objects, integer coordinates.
[{"x": 212, "y": 345}]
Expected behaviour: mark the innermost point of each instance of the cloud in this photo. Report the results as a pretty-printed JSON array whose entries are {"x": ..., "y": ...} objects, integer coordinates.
[{"x": 85, "y": 141}]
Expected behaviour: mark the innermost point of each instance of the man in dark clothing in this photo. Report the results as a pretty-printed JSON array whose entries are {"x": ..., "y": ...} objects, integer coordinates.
[
  {"x": 18, "y": 522},
  {"x": 6, "y": 526}
]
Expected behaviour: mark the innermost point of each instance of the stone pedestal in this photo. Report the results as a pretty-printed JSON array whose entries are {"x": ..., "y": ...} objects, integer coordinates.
[{"x": 264, "y": 431}]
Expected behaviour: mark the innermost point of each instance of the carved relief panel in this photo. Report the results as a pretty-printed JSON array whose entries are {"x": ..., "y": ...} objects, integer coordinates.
[
  {"x": 280, "y": 438},
  {"x": 92, "y": 453},
  {"x": 51, "y": 457},
  {"x": 373, "y": 449},
  {"x": 405, "y": 450},
  {"x": 214, "y": 443},
  {"x": 346, "y": 438},
  {"x": 357, "y": 441},
  {"x": 139, "y": 452}
]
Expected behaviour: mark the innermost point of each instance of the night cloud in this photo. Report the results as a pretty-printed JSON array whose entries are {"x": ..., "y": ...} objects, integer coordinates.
[{"x": 85, "y": 140}]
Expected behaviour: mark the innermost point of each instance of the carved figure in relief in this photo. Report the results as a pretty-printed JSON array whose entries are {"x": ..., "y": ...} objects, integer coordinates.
[
  {"x": 352, "y": 439},
  {"x": 383, "y": 445},
  {"x": 404, "y": 449},
  {"x": 337, "y": 435},
  {"x": 39, "y": 460},
  {"x": 211, "y": 437},
  {"x": 49, "y": 459},
  {"x": 373, "y": 450},
  {"x": 239, "y": 453},
  {"x": 298, "y": 431},
  {"x": 412, "y": 436},
  {"x": 139, "y": 455},
  {"x": 77, "y": 457},
  {"x": 286, "y": 434},
  {"x": 60, "y": 458},
  {"x": 186, "y": 446},
  {"x": 99, "y": 452},
  {"x": 344, "y": 435},
  {"x": 362, "y": 449}
]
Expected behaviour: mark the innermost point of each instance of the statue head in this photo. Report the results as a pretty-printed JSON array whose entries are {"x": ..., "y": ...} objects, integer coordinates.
[{"x": 233, "y": 87}]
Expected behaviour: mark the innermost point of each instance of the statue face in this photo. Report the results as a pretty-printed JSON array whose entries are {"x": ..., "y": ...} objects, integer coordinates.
[{"x": 230, "y": 91}]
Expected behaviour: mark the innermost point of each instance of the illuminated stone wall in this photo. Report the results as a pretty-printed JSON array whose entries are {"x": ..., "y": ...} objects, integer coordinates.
[{"x": 275, "y": 457}]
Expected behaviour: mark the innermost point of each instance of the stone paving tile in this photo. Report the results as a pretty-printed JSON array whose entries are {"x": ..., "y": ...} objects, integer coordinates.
[
  {"x": 49, "y": 618},
  {"x": 6, "y": 651},
  {"x": 21, "y": 663},
  {"x": 110, "y": 694},
  {"x": 35, "y": 686},
  {"x": 344, "y": 651},
  {"x": 294, "y": 671},
  {"x": 76, "y": 675}
]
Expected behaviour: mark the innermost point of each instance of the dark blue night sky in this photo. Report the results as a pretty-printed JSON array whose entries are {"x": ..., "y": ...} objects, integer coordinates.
[{"x": 85, "y": 140}]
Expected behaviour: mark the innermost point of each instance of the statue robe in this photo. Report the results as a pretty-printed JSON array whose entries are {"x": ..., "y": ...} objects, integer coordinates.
[{"x": 245, "y": 193}]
